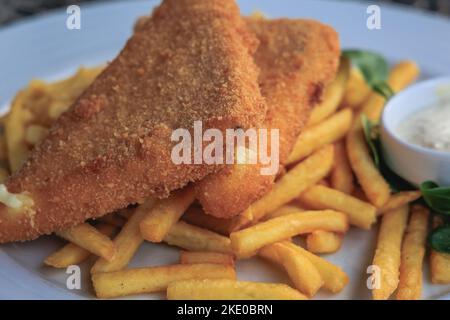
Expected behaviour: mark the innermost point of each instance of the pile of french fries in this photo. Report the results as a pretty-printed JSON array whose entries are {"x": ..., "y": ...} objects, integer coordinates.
[{"x": 330, "y": 184}]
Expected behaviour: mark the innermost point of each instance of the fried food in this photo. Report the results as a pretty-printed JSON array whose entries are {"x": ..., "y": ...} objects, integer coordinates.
[
  {"x": 334, "y": 278},
  {"x": 72, "y": 254},
  {"x": 388, "y": 252},
  {"x": 313, "y": 138},
  {"x": 154, "y": 279},
  {"x": 413, "y": 253},
  {"x": 360, "y": 213},
  {"x": 295, "y": 181},
  {"x": 225, "y": 289},
  {"x": 192, "y": 257},
  {"x": 323, "y": 242},
  {"x": 301, "y": 271},
  {"x": 247, "y": 242},
  {"x": 191, "y": 61},
  {"x": 297, "y": 58}
]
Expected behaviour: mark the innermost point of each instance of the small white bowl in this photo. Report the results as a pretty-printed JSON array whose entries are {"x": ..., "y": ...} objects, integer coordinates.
[{"x": 413, "y": 163}]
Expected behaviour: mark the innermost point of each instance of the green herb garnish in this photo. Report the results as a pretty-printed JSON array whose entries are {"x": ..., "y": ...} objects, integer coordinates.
[
  {"x": 439, "y": 239},
  {"x": 374, "y": 69},
  {"x": 371, "y": 137},
  {"x": 437, "y": 198}
]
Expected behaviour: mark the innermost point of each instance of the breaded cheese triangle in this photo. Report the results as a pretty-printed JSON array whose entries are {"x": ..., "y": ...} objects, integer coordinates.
[
  {"x": 297, "y": 59},
  {"x": 191, "y": 61}
]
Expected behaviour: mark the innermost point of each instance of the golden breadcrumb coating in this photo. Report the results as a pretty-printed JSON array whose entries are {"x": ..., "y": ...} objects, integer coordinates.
[
  {"x": 190, "y": 61},
  {"x": 297, "y": 58}
]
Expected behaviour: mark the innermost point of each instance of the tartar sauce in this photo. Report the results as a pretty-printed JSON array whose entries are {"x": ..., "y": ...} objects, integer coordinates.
[{"x": 429, "y": 128}]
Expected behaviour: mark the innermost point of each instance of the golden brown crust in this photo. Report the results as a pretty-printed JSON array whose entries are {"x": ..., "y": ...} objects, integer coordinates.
[
  {"x": 190, "y": 61},
  {"x": 297, "y": 58}
]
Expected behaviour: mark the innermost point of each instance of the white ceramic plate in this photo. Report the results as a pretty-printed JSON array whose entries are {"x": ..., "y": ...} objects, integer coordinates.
[{"x": 43, "y": 47}]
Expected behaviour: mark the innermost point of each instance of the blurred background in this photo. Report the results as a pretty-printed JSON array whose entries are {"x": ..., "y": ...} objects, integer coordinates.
[{"x": 11, "y": 10}]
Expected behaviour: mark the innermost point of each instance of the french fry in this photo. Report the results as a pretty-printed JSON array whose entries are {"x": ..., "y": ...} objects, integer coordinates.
[
  {"x": 401, "y": 75},
  {"x": 334, "y": 278},
  {"x": 193, "y": 238},
  {"x": 195, "y": 215},
  {"x": 357, "y": 91},
  {"x": 247, "y": 242},
  {"x": 341, "y": 175},
  {"x": 398, "y": 200},
  {"x": 38, "y": 105},
  {"x": 360, "y": 213},
  {"x": 89, "y": 238},
  {"x": 157, "y": 223},
  {"x": 413, "y": 252},
  {"x": 302, "y": 176},
  {"x": 301, "y": 271},
  {"x": 323, "y": 242},
  {"x": 283, "y": 211},
  {"x": 439, "y": 262},
  {"x": 369, "y": 177},
  {"x": 71, "y": 254},
  {"x": 321, "y": 134},
  {"x": 388, "y": 252},
  {"x": 224, "y": 289},
  {"x": 332, "y": 96},
  {"x": 127, "y": 242},
  {"x": 154, "y": 279},
  {"x": 190, "y": 257}
]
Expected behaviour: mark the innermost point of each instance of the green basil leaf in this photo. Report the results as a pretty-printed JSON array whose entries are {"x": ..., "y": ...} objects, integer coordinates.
[
  {"x": 383, "y": 89},
  {"x": 371, "y": 136},
  {"x": 437, "y": 198},
  {"x": 374, "y": 69},
  {"x": 439, "y": 239}
]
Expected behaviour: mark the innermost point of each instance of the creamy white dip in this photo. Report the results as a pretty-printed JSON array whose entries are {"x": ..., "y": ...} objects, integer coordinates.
[{"x": 429, "y": 128}]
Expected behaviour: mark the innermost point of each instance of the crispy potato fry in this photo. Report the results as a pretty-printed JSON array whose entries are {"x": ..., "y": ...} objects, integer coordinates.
[
  {"x": 224, "y": 289},
  {"x": 247, "y": 242},
  {"x": 127, "y": 242},
  {"x": 157, "y": 223},
  {"x": 190, "y": 257},
  {"x": 301, "y": 271},
  {"x": 341, "y": 175},
  {"x": 334, "y": 278},
  {"x": 319, "y": 135},
  {"x": 372, "y": 182},
  {"x": 357, "y": 90},
  {"x": 369, "y": 177},
  {"x": 332, "y": 96},
  {"x": 71, "y": 254},
  {"x": 388, "y": 251},
  {"x": 283, "y": 211},
  {"x": 401, "y": 75},
  {"x": 193, "y": 238},
  {"x": 439, "y": 262},
  {"x": 360, "y": 214},
  {"x": 302, "y": 176},
  {"x": 154, "y": 279},
  {"x": 399, "y": 200},
  {"x": 37, "y": 106},
  {"x": 196, "y": 216},
  {"x": 89, "y": 238},
  {"x": 323, "y": 242},
  {"x": 413, "y": 252}
]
